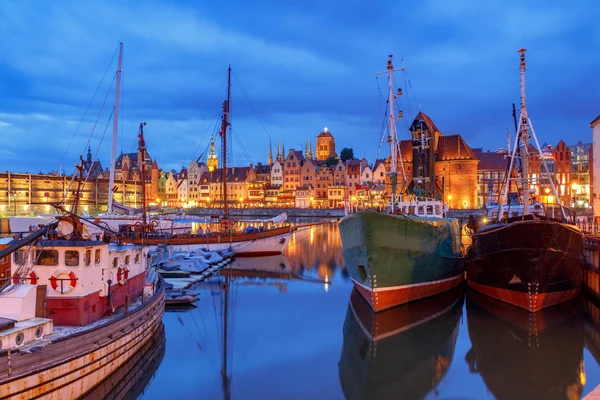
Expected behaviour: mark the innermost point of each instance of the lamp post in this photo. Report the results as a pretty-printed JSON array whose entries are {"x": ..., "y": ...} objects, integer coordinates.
[{"x": 449, "y": 201}]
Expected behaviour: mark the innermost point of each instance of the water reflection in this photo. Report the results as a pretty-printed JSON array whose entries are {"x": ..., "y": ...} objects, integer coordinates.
[
  {"x": 317, "y": 248},
  {"x": 403, "y": 352},
  {"x": 131, "y": 378},
  {"x": 522, "y": 355}
]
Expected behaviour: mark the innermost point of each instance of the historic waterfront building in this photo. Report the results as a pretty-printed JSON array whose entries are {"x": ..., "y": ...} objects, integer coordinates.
[
  {"x": 277, "y": 174},
  {"x": 581, "y": 174},
  {"x": 491, "y": 172},
  {"x": 325, "y": 145},
  {"x": 291, "y": 169}
]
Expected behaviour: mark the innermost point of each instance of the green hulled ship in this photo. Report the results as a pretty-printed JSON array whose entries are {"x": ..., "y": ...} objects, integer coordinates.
[
  {"x": 411, "y": 251},
  {"x": 393, "y": 259}
]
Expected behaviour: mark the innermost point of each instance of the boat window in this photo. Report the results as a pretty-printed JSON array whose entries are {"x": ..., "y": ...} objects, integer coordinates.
[
  {"x": 115, "y": 262},
  {"x": 127, "y": 258},
  {"x": 46, "y": 257},
  {"x": 20, "y": 257},
  {"x": 515, "y": 214},
  {"x": 438, "y": 209},
  {"x": 3, "y": 260},
  {"x": 429, "y": 210},
  {"x": 87, "y": 259},
  {"x": 411, "y": 210},
  {"x": 97, "y": 256},
  {"x": 137, "y": 258},
  {"x": 420, "y": 210},
  {"x": 71, "y": 258},
  {"x": 494, "y": 214}
]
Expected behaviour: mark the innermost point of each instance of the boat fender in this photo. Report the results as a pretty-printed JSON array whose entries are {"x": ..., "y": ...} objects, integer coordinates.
[
  {"x": 154, "y": 223},
  {"x": 32, "y": 278},
  {"x": 121, "y": 275},
  {"x": 63, "y": 285}
]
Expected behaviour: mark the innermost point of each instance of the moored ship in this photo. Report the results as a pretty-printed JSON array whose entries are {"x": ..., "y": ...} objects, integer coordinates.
[
  {"x": 523, "y": 256},
  {"x": 251, "y": 242},
  {"x": 411, "y": 250},
  {"x": 74, "y": 310},
  {"x": 400, "y": 353}
]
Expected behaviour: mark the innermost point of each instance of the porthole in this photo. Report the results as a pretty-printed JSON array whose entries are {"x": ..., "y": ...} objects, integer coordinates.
[
  {"x": 20, "y": 338},
  {"x": 38, "y": 332}
]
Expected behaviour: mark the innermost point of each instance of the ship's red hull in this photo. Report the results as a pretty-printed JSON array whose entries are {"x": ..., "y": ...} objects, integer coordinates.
[
  {"x": 79, "y": 311},
  {"x": 531, "y": 264},
  {"x": 384, "y": 298}
]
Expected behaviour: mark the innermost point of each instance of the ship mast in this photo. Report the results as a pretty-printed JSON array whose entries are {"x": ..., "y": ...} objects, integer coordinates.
[
  {"x": 115, "y": 128},
  {"x": 525, "y": 127},
  {"x": 393, "y": 138},
  {"x": 224, "y": 124},
  {"x": 142, "y": 151}
]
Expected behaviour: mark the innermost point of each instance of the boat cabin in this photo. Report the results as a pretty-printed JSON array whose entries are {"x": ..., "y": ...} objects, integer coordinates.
[
  {"x": 82, "y": 279},
  {"x": 513, "y": 209},
  {"x": 422, "y": 207}
]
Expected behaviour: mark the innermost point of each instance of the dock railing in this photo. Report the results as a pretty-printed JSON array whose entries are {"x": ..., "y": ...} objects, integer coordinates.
[{"x": 591, "y": 260}]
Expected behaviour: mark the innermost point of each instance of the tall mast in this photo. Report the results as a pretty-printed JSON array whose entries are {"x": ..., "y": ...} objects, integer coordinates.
[
  {"x": 523, "y": 130},
  {"x": 393, "y": 139},
  {"x": 524, "y": 137},
  {"x": 115, "y": 128},
  {"x": 224, "y": 125},
  {"x": 142, "y": 151}
]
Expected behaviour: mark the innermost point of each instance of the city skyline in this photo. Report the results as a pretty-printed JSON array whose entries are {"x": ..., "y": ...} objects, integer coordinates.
[{"x": 301, "y": 69}]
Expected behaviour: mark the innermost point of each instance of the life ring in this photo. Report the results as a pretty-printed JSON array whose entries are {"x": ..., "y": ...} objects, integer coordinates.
[
  {"x": 122, "y": 275},
  {"x": 32, "y": 278},
  {"x": 137, "y": 224},
  {"x": 62, "y": 286},
  {"x": 154, "y": 223},
  {"x": 233, "y": 221},
  {"x": 224, "y": 223}
]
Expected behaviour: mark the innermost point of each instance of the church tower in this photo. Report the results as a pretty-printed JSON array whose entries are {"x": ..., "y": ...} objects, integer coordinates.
[
  {"x": 270, "y": 157},
  {"x": 325, "y": 145},
  {"x": 308, "y": 152},
  {"x": 213, "y": 160}
]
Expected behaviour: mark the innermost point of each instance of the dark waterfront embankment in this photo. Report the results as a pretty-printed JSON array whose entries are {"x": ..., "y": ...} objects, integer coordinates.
[{"x": 289, "y": 327}]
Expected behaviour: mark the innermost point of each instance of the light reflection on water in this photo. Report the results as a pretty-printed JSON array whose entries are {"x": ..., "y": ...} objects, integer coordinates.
[{"x": 292, "y": 330}]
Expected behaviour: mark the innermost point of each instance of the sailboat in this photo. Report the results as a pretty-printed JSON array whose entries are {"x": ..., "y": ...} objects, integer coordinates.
[
  {"x": 523, "y": 256},
  {"x": 400, "y": 353},
  {"x": 409, "y": 252},
  {"x": 252, "y": 242}
]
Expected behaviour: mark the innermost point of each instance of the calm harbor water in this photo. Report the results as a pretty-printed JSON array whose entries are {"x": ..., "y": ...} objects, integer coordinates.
[{"x": 291, "y": 327}]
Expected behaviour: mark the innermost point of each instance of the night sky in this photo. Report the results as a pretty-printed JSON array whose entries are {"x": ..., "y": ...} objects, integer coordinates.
[{"x": 302, "y": 66}]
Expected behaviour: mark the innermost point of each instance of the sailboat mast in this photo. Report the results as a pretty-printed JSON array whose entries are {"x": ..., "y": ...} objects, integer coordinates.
[
  {"x": 224, "y": 125},
  {"x": 115, "y": 128},
  {"x": 142, "y": 154},
  {"x": 393, "y": 136}
]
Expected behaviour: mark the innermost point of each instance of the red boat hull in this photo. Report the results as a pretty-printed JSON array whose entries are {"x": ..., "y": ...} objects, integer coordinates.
[{"x": 384, "y": 298}]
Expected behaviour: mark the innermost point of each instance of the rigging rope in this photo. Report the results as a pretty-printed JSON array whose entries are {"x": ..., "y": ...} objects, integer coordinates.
[
  {"x": 252, "y": 107},
  {"x": 89, "y": 105},
  {"x": 89, "y": 139}
]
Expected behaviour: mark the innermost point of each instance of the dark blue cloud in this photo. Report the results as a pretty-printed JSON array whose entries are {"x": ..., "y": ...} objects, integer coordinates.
[{"x": 303, "y": 66}]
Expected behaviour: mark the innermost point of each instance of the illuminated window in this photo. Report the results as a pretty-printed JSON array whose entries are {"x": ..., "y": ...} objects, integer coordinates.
[
  {"x": 46, "y": 257},
  {"x": 71, "y": 258},
  {"x": 115, "y": 263}
]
